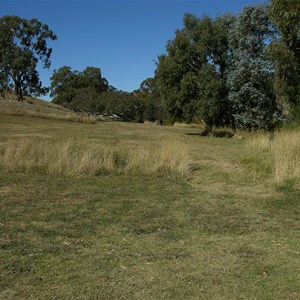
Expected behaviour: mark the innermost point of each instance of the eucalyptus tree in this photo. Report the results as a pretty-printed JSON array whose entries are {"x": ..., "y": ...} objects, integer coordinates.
[
  {"x": 191, "y": 75},
  {"x": 285, "y": 49},
  {"x": 148, "y": 92},
  {"x": 92, "y": 77},
  {"x": 251, "y": 73},
  {"x": 67, "y": 86},
  {"x": 64, "y": 83},
  {"x": 23, "y": 44}
]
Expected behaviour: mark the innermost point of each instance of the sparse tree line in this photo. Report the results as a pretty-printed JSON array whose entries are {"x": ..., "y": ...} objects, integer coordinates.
[{"x": 241, "y": 71}]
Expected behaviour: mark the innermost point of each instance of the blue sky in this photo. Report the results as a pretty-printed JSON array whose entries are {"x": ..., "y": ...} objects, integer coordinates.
[{"x": 122, "y": 37}]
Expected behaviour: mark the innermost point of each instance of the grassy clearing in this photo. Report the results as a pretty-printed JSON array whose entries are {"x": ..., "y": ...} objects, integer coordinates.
[
  {"x": 278, "y": 158},
  {"x": 219, "y": 235}
]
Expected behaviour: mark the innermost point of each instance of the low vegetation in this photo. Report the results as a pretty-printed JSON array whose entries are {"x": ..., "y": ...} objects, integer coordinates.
[
  {"x": 81, "y": 157},
  {"x": 147, "y": 226},
  {"x": 277, "y": 157}
]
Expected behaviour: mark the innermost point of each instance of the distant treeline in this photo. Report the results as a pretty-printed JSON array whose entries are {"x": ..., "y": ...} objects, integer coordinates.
[
  {"x": 241, "y": 71},
  {"x": 89, "y": 92}
]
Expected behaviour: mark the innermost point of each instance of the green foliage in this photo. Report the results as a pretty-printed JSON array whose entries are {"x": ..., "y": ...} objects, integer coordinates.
[
  {"x": 89, "y": 92},
  {"x": 285, "y": 50},
  {"x": 91, "y": 77},
  {"x": 285, "y": 15},
  {"x": 212, "y": 105},
  {"x": 149, "y": 94},
  {"x": 250, "y": 92},
  {"x": 63, "y": 85},
  {"x": 233, "y": 70},
  {"x": 23, "y": 44},
  {"x": 296, "y": 114},
  {"x": 124, "y": 106},
  {"x": 4, "y": 83},
  {"x": 68, "y": 87},
  {"x": 191, "y": 76},
  {"x": 87, "y": 100}
]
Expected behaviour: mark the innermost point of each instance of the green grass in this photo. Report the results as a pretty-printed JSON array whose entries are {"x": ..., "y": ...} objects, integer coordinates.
[{"x": 219, "y": 235}]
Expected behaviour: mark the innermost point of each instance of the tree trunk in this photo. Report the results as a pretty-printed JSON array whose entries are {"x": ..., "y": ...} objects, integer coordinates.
[{"x": 18, "y": 92}]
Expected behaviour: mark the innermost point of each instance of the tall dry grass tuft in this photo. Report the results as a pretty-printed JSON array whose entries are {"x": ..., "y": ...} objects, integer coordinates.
[
  {"x": 279, "y": 156},
  {"x": 173, "y": 156},
  {"x": 286, "y": 152},
  {"x": 80, "y": 157}
]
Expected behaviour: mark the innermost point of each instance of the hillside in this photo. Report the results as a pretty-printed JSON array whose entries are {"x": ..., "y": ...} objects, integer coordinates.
[{"x": 35, "y": 107}]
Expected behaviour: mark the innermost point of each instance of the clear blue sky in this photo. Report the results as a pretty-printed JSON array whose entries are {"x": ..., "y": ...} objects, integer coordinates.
[{"x": 122, "y": 37}]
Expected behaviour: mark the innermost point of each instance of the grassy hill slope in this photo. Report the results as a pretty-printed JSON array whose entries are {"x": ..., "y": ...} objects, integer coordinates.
[
  {"x": 218, "y": 234},
  {"x": 39, "y": 108}
]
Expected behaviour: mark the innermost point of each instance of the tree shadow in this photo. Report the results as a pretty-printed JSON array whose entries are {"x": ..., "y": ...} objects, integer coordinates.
[{"x": 214, "y": 133}]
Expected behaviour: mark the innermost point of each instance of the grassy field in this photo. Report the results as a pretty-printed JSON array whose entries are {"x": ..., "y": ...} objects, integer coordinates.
[{"x": 218, "y": 232}]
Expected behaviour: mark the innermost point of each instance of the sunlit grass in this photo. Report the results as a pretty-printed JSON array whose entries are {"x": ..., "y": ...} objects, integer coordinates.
[
  {"x": 138, "y": 230},
  {"x": 41, "y": 109},
  {"x": 81, "y": 157},
  {"x": 278, "y": 156}
]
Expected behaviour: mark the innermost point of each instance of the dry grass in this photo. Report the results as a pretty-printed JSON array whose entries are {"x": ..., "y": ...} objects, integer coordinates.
[
  {"x": 80, "y": 157},
  {"x": 41, "y": 109},
  {"x": 221, "y": 236},
  {"x": 280, "y": 155},
  {"x": 72, "y": 117}
]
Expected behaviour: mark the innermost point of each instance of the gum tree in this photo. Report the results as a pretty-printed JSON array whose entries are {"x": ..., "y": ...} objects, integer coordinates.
[
  {"x": 285, "y": 49},
  {"x": 23, "y": 44},
  {"x": 251, "y": 73},
  {"x": 191, "y": 76},
  {"x": 66, "y": 85}
]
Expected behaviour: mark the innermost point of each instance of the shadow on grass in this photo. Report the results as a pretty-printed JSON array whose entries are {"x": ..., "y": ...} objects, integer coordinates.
[
  {"x": 286, "y": 207},
  {"x": 290, "y": 196},
  {"x": 214, "y": 133}
]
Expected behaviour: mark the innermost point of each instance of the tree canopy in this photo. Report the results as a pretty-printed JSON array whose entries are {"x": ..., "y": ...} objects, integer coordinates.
[
  {"x": 285, "y": 49},
  {"x": 23, "y": 44},
  {"x": 220, "y": 70},
  {"x": 251, "y": 72},
  {"x": 191, "y": 76},
  {"x": 67, "y": 84}
]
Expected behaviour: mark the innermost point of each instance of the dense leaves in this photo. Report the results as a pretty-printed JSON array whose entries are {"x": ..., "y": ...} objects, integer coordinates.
[
  {"x": 219, "y": 71},
  {"x": 250, "y": 73},
  {"x": 68, "y": 86},
  {"x": 148, "y": 93},
  {"x": 285, "y": 50},
  {"x": 89, "y": 92},
  {"x": 23, "y": 43},
  {"x": 191, "y": 76}
]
